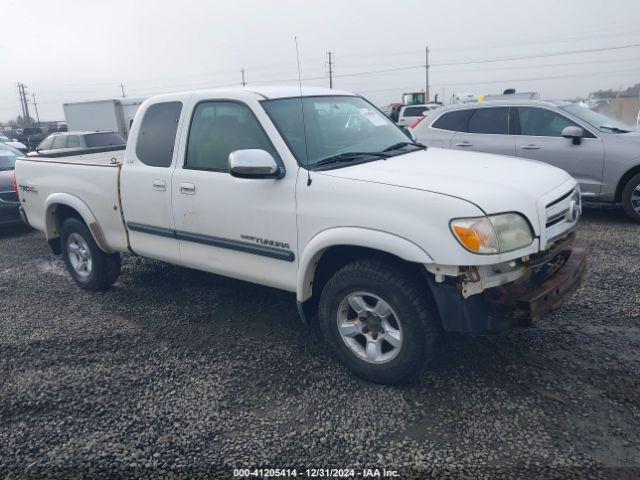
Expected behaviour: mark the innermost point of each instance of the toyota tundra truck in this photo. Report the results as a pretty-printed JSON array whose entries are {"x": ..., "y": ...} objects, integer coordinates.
[{"x": 385, "y": 242}]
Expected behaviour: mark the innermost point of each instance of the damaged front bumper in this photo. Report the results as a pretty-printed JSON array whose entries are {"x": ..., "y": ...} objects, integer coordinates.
[{"x": 548, "y": 279}]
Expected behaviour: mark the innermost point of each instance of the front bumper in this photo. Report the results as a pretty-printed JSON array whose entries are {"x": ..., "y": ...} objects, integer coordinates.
[
  {"x": 513, "y": 305},
  {"x": 526, "y": 303}
]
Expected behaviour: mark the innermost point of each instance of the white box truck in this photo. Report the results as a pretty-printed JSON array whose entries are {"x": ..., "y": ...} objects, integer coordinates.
[{"x": 113, "y": 115}]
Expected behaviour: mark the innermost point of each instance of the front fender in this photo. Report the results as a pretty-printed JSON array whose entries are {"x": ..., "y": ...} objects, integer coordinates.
[
  {"x": 71, "y": 201},
  {"x": 357, "y": 237}
]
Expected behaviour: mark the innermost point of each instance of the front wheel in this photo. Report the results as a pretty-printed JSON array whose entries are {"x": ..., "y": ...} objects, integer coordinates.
[
  {"x": 631, "y": 198},
  {"x": 378, "y": 321},
  {"x": 90, "y": 267}
]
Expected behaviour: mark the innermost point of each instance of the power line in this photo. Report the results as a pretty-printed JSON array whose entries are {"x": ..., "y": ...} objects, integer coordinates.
[
  {"x": 542, "y": 55},
  {"x": 530, "y": 79}
]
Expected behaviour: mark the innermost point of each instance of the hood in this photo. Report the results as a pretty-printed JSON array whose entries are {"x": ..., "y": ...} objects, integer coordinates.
[
  {"x": 633, "y": 136},
  {"x": 494, "y": 183},
  {"x": 18, "y": 145}
]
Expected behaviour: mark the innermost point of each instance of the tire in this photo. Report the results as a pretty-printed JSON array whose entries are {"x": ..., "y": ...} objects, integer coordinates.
[
  {"x": 90, "y": 267},
  {"x": 411, "y": 318},
  {"x": 631, "y": 196}
]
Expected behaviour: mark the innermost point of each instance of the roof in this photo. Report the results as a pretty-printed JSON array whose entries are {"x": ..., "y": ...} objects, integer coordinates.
[
  {"x": 88, "y": 132},
  {"x": 507, "y": 103},
  {"x": 261, "y": 92}
]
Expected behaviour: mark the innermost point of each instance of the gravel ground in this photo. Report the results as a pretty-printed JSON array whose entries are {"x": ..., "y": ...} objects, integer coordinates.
[{"x": 179, "y": 374}]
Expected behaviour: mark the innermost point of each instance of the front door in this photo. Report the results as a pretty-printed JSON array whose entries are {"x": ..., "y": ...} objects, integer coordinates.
[
  {"x": 540, "y": 138},
  {"x": 238, "y": 227},
  {"x": 487, "y": 130}
]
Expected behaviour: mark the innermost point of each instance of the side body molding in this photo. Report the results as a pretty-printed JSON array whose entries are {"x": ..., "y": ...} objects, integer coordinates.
[
  {"x": 79, "y": 206},
  {"x": 357, "y": 237}
]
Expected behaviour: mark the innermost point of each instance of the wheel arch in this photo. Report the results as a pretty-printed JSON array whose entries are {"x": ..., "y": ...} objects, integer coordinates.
[
  {"x": 332, "y": 248},
  {"x": 59, "y": 207},
  {"x": 623, "y": 181}
]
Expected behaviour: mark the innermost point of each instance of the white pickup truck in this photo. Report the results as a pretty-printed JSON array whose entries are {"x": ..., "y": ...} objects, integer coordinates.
[{"x": 316, "y": 192}]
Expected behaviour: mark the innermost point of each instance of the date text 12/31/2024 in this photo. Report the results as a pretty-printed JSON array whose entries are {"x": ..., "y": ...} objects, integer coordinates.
[{"x": 314, "y": 473}]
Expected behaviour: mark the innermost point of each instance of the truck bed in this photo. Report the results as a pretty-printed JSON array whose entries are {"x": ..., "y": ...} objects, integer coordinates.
[{"x": 92, "y": 179}]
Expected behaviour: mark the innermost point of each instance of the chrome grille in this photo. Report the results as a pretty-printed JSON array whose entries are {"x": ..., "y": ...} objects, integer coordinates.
[{"x": 563, "y": 215}]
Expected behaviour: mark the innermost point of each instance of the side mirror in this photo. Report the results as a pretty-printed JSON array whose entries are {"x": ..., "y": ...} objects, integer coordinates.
[
  {"x": 409, "y": 133},
  {"x": 573, "y": 132},
  {"x": 253, "y": 163}
]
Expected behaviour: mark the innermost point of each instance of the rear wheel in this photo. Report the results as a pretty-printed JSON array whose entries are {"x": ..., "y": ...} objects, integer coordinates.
[
  {"x": 631, "y": 198},
  {"x": 90, "y": 267},
  {"x": 378, "y": 321}
]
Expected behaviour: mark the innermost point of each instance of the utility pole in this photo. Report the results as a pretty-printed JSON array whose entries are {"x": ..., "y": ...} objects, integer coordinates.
[
  {"x": 35, "y": 104},
  {"x": 244, "y": 84},
  {"x": 426, "y": 74},
  {"x": 25, "y": 104},
  {"x": 330, "y": 70},
  {"x": 122, "y": 89},
  {"x": 21, "y": 99}
]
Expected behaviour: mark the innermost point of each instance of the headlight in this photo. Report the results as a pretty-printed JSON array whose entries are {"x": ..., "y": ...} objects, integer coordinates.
[{"x": 493, "y": 234}]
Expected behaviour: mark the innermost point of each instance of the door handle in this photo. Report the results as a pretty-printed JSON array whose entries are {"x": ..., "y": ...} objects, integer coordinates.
[
  {"x": 159, "y": 185},
  {"x": 530, "y": 147},
  {"x": 464, "y": 144},
  {"x": 187, "y": 188}
]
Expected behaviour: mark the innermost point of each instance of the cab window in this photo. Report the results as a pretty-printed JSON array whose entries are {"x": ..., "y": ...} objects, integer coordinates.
[
  {"x": 157, "y": 135},
  {"x": 219, "y": 128}
]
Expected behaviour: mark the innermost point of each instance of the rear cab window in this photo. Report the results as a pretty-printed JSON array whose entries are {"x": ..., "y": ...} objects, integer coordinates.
[{"x": 157, "y": 134}]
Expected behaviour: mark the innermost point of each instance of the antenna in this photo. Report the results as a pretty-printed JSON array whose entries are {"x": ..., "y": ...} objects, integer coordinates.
[{"x": 304, "y": 126}]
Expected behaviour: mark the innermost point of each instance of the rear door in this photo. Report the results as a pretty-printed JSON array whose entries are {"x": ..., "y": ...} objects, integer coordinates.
[
  {"x": 146, "y": 182},
  {"x": 487, "y": 130},
  {"x": 539, "y": 137}
]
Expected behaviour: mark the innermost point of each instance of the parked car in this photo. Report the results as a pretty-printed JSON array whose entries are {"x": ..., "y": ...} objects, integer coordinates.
[
  {"x": 9, "y": 203},
  {"x": 410, "y": 114},
  {"x": 12, "y": 142},
  {"x": 600, "y": 152},
  {"x": 31, "y": 137},
  {"x": 76, "y": 142},
  {"x": 389, "y": 241}
]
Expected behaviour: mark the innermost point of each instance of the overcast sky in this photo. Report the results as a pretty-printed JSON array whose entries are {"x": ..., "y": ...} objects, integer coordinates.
[{"x": 70, "y": 50}]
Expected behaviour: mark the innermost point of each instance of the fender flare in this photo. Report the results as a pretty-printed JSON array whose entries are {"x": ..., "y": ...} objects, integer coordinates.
[
  {"x": 79, "y": 206},
  {"x": 356, "y": 237}
]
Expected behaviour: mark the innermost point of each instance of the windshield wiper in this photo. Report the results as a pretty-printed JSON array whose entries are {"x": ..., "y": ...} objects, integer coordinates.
[
  {"x": 614, "y": 129},
  {"x": 341, "y": 157},
  {"x": 398, "y": 145}
]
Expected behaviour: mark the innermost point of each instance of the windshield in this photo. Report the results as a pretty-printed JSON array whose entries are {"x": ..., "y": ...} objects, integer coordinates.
[
  {"x": 334, "y": 125},
  {"x": 4, "y": 139},
  {"x": 8, "y": 156},
  {"x": 598, "y": 120}
]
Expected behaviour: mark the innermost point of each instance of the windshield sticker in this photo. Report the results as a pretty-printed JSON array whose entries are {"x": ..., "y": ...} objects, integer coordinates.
[{"x": 373, "y": 116}]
